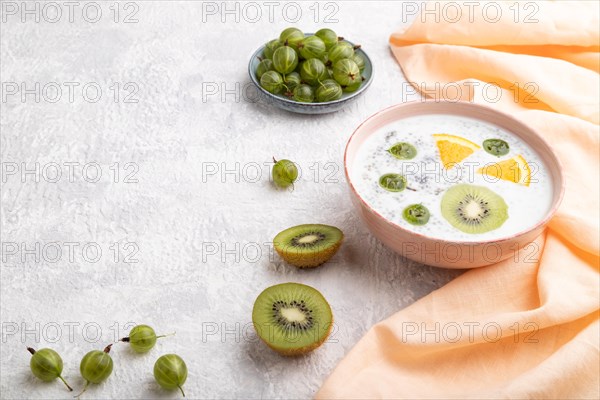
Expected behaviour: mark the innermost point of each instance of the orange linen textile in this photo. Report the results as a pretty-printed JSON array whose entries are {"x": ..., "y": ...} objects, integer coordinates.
[{"x": 527, "y": 327}]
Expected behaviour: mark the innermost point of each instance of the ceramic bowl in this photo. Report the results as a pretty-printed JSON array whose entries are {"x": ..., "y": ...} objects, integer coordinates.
[
  {"x": 310, "y": 108},
  {"x": 448, "y": 253}
]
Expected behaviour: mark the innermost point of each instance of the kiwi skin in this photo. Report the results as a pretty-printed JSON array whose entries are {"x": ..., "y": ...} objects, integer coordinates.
[
  {"x": 299, "y": 259},
  {"x": 301, "y": 350},
  {"x": 302, "y": 261}
]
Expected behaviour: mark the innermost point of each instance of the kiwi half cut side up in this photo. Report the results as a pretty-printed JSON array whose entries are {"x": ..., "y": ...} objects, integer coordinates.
[
  {"x": 308, "y": 246},
  {"x": 292, "y": 318},
  {"x": 474, "y": 209}
]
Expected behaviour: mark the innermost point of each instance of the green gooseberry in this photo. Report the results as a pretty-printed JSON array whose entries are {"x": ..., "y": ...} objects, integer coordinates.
[
  {"x": 328, "y": 37},
  {"x": 312, "y": 47},
  {"x": 96, "y": 366},
  {"x": 496, "y": 147},
  {"x": 170, "y": 372},
  {"x": 291, "y": 37},
  {"x": 264, "y": 66},
  {"x": 359, "y": 60},
  {"x": 340, "y": 51},
  {"x": 142, "y": 338},
  {"x": 284, "y": 173},
  {"x": 328, "y": 91},
  {"x": 313, "y": 71},
  {"x": 416, "y": 214},
  {"x": 299, "y": 66},
  {"x": 304, "y": 93},
  {"x": 354, "y": 87},
  {"x": 272, "y": 82},
  {"x": 393, "y": 182},
  {"x": 292, "y": 80},
  {"x": 270, "y": 47},
  {"x": 285, "y": 60},
  {"x": 403, "y": 151},
  {"x": 346, "y": 72},
  {"x": 47, "y": 365}
]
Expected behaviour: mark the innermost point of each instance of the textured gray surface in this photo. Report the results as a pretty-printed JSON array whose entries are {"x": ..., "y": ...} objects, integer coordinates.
[{"x": 178, "y": 214}]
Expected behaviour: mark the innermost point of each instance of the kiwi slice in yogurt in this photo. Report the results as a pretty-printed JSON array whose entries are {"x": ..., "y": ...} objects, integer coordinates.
[{"x": 473, "y": 209}]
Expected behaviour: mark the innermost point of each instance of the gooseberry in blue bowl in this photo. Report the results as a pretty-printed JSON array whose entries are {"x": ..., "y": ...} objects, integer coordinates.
[{"x": 336, "y": 71}]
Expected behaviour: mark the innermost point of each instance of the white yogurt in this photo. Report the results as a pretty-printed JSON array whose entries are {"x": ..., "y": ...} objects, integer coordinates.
[{"x": 527, "y": 205}]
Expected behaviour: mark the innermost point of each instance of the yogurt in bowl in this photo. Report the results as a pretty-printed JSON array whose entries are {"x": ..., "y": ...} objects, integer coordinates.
[{"x": 454, "y": 185}]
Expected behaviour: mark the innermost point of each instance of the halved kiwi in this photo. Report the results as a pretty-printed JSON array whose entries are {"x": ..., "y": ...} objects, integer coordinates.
[
  {"x": 474, "y": 209},
  {"x": 309, "y": 245},
  {"x": 292, "y": 318}
]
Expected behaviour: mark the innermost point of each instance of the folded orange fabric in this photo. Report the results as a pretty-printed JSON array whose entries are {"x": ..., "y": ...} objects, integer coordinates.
[{"x": 524, "y": 328}]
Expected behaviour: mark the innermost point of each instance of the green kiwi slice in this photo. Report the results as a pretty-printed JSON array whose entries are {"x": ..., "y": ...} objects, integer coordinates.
[
  {"x": 308, "y": 245},
  {"x": 473, "y": 209},
  {"x": 292, "y": 318}
]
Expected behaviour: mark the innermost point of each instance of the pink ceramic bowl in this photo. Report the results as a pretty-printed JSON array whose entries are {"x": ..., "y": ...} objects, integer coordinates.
[{"x": 446, "y": 253}]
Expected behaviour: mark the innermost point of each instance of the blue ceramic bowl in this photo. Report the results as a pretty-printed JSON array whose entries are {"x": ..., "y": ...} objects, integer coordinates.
[{"x": 310, "y": 108}]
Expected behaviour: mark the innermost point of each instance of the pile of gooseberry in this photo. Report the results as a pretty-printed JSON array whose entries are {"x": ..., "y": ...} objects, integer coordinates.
[
  {"x": 307, "y": 69},
  {"x": 170, "y": 371}
]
